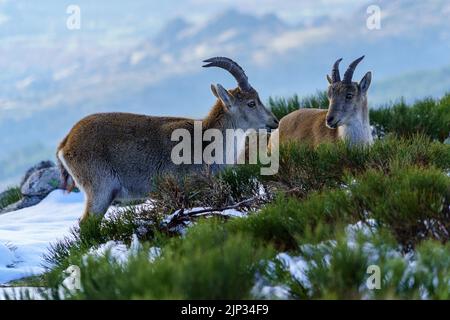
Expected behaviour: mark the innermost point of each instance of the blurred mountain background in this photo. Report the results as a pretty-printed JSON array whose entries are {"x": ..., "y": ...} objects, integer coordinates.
[{"x": 146, "y": 57}]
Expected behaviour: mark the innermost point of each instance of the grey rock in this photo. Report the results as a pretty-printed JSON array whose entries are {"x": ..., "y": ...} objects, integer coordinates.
[
  {"x": 37, "y": 183},
  {"x": 25, "y": 202},
  {"x": 33, "y": 169},
  {"x": 41, "y": 182}
]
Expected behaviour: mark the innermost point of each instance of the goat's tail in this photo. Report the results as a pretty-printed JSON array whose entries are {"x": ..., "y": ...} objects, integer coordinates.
[{"x": 67, "y": 182}]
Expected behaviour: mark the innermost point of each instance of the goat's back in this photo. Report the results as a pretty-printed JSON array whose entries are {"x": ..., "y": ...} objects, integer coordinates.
[
  {"x": 306, "y": 125},
  {"x": 134, "y": 148}
]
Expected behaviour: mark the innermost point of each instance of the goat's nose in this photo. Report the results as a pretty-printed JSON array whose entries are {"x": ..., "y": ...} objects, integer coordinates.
[
  {"x": 276, "y": 123},
  {"x": 330, "y": 120}
]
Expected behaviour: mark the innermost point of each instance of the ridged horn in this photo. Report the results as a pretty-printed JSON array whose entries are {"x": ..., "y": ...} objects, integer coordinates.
[
  {"x": 351, "y": 68},
  {"x": 232, "y": 67},
  {"x": 335, "y": 75}
]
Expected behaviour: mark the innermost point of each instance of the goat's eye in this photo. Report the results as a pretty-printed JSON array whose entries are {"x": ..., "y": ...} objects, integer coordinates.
[
  {"x": 251, "y": 104},
  {"x": 349, "y": 96}
]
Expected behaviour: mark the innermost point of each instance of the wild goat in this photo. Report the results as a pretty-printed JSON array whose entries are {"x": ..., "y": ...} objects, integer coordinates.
[
  {"x": 347, "y": 117},
  {"x": 118, "y": 155}
]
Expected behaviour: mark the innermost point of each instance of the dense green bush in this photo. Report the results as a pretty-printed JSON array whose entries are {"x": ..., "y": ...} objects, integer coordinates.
[
  {"x": 412, "y": 203},
  {"x": 119, "y": 226},
  {"x": 304, "y": 168},
  {"x": 339, "y": 270},
  {"x": 281, "y": 106},
  {"x": 205, "y": 190},
  {"x": 208, "y": 263},
  {"x": 428, "y": 116}
]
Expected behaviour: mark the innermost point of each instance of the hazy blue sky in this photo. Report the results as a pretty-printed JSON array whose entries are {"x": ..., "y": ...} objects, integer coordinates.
[
  {"x": 116, "y": 18},
  {"x": 290, "y": 10}
]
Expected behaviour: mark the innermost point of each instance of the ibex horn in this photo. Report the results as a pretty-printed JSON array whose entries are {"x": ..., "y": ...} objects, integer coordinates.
[
  {"x": 335, "y": 75},
  {"x": 233, "y": 68},
  {"x": 351, "y": 68}
]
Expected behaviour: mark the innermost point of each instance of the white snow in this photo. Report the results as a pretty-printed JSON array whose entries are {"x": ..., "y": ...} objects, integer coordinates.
[
  {"x": 7, "y": 256},
  {"x": 17, "y": 293},
  {"x": 26, "y": 234},
  {"x": 119, "y": 252},
  {"x": 31, "y": 230}
]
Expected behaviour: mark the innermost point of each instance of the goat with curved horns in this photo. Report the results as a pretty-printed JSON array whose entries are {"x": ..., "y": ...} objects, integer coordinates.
[
  {"x": 347, "y": 117},
  {"x": 117, "y": 155}
]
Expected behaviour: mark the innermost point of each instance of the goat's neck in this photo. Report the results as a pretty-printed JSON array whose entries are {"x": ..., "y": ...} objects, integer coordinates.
[
  {"x": 220, "y": 119},
  {"x": 357, "y": 130}
]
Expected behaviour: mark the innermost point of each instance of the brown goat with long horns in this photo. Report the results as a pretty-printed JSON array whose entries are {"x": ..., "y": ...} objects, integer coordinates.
[{"x": 118, "y": 155}]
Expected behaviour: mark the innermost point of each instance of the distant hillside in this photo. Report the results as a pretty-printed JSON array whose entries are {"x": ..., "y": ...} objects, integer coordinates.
[{"x": 429, "y": 83}]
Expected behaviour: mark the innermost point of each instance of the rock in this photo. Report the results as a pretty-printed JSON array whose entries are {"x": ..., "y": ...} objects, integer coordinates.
[
  {"x": 33, "y": 169},
  {"x": 37, "y": 183},
  {"x": 41, "y": 182},
  {"x": 25, "y": 202}
]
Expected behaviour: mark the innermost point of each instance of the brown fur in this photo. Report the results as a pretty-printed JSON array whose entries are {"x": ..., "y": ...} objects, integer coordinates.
[{"x": 307, "y": 125}]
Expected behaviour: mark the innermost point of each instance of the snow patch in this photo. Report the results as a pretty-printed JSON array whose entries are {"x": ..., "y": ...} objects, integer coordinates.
[
  {"x": 19, "y": 293},
  {"x": 26, "y": 234},
  {"x": 31, "y": 230},
  {"x": 120, "y": 253}
]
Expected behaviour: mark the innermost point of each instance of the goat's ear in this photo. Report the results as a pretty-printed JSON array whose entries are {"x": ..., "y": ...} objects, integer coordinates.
[
  {"x": 214, "y": 91},
  {"x": 223, "y": 95},
  {"x": 329, "y": 79},
  {"x": 364, "y": 84}
]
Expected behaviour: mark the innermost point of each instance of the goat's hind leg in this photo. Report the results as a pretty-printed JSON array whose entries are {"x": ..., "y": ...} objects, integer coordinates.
[{"x": 97, "y": 203}]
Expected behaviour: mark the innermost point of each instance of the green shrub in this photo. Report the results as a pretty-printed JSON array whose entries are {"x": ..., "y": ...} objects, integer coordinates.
[
  {"x": 119, "y": 226},
  {"x": 304, "y": 169},
  {"x": 413, "y": 203},
  {"x": 227, "y": 188},
  {"x": 10, "y": 196},
  {"x": 242, "y": 181},
  {"x": 428, "y": 116},
  {"x": 288, "y": 222},
  {"x": 208, "y": 263},
  {"x": 339, "y": 270},
  {"x": 281, "y": 106}
]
